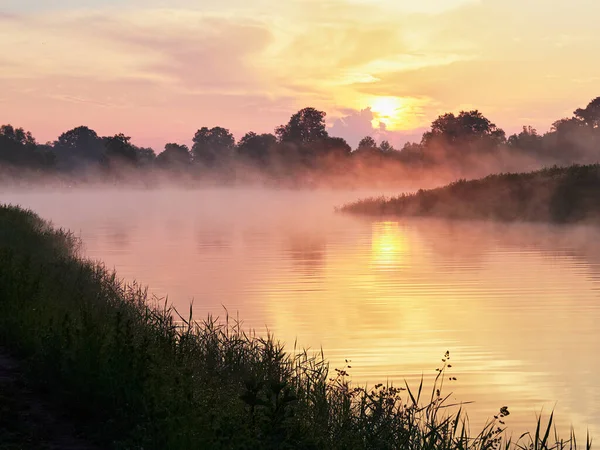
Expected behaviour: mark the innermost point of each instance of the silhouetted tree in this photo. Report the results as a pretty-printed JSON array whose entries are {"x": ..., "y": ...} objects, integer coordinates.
[
  {"x": 336, "y": 146},
  {"x": 302, "y": 140},
  {"x": 13, "y": 143},
  {"x": 17, "y": 135},
  {"x": 528, "y": 139},
  {"x": 411, "y": 152},
  {"x": 18, "y": 148},
  {"x": 212, "y": 146},
  {"x": 461, "y": 141},
  {"x": 329, "y": 154},
  {"x": 369, "y": 154},
  {"x": 120, "y": 150},
  {"x": 302, "y": 148},
  {"x": 467, "y": 126},
  {"x": 256, "y": 148},
  {"x": 367, "y": 143},
  {"x": 78, "y": 145},
  {"x": 174, "y": 156},
  {"x": 304, "y": 127},
  {"x": 368, "y": 151},
  {"x": 590, "y": 115},
  {"x": 145, "y": 156},
  {"x": 570, "y": 140},
  {"x": 45, "y": 156},
  {"x": 386, "y": 147},
  {"x": 567, "y": 125}
]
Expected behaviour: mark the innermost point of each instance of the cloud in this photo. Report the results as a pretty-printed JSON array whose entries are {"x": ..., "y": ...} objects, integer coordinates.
[
  {"x": 176, "y": 65},
  {"x": 192, "y": 49},
  {"x": 65, "y": 45},
  {"x": 355, "y": 125},
  {"x": 8, "y": 16},
  {"x": 422, "y": 6},
  {"x": 161, "y": 70},
  {"x": 210, "y": 54}
]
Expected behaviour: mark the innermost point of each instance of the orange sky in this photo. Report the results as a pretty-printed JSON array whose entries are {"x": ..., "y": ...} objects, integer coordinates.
[{"x": 158, "y": 70}]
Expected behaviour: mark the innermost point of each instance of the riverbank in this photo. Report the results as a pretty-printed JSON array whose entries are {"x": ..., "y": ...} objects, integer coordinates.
[
  {"x": 133, "y": 377},
  {"x": 557, "y": 194}
]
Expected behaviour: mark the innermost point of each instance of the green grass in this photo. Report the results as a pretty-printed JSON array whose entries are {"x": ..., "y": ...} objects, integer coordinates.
[
  {"x": 134, "y": 377},
  {"x": 557, "y": 194}
]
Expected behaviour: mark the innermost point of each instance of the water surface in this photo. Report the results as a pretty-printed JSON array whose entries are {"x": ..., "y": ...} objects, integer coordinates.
[{"x": 517, "y": 306}]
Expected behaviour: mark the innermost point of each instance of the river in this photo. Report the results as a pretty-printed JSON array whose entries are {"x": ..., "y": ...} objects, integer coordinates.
[{"x": 517, "y": 306}]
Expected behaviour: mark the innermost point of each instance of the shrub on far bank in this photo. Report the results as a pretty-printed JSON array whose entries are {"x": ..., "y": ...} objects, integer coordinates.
[{"x": 557, "y": 194}]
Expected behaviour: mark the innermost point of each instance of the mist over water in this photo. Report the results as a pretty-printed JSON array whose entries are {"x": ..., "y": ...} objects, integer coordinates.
[{"x": 516, "y": 305}]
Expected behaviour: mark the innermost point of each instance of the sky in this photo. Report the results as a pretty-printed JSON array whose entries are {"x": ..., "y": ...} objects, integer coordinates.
[{"x": 158, "y": 70}]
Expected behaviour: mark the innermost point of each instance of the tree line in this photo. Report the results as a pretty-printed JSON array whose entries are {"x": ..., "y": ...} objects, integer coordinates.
[{"x": 302, "y": 149}]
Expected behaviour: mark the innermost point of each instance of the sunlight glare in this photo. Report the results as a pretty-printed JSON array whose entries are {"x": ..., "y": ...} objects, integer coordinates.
[{"x": 387, "y": 110}]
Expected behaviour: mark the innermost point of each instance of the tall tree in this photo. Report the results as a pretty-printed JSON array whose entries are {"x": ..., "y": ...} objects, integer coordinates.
[
  {"x": 367, "y": 143},
  {"x": 119, "y": 149},
  {"x": 174, "y": 156},
  {"x": 528, "y": 139},
  {"x": 590, "y": 115},
  {"x": 304, "y": 127},
  {"x": 570, "y": 140},
  {"x": 386, "y": 147},
  {"x": 18, "y": 147},
  {"x": 327, "y": 152},
  {"x": 467, "y": 126},
  {"x": 212, "y": 146},
  {"x": 411, "y": 153},
  {"x": 17, "y": 135},
  {"x": 337, "y": 146},
  {"x": 145, "y": 156},
  {"x": 256, "y": 147},
  {"x": 79, "y": 144}
]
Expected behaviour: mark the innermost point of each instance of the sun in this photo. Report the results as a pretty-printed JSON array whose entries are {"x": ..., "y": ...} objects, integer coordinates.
[{"x": 387, "y": 110}]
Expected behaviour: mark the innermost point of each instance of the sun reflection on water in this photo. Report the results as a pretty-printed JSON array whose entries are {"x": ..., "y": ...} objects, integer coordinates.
[{"x": 388, "y": 245}]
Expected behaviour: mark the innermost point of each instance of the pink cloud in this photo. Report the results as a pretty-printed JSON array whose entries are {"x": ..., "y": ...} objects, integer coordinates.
[
  {"x": 357, "y": 124},
  {"x": 216, "y": 54}
]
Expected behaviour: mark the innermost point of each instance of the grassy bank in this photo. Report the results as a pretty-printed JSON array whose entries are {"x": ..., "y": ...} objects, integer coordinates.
[
  {"x": 558, "y": 194},
  {"x": 132, "y": 377}
]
